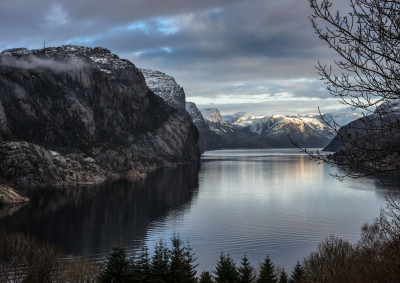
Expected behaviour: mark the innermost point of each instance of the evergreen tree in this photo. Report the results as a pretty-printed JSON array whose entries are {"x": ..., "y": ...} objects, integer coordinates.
[
  {"x": 246, "y": 271},
  {"x": 177, "y": 265},
  {"x": 225, "y": 270},
  {"x": 205, "y": 277},
  {"x": 142, "y": 267},
  {"x": 117, "y": 267},
  {"x": 283, "y": 278},
  {"x": 160, "y": 263},
  {"x": 182, "y": 265},
  {"x": 190, "y": 264},
  {"x": 267, "y": 273},
  {"x": 297, "y": 273}
]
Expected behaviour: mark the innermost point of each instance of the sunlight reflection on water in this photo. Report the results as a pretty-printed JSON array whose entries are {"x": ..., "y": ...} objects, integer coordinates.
[{"x": 275, "y": 202}]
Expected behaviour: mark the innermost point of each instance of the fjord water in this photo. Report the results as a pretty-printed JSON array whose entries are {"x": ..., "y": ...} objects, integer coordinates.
[{"x": 253, "y": 202}]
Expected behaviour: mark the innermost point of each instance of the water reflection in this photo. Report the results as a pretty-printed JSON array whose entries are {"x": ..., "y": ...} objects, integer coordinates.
[
  {"x": 257, "y": 202},
  {"x": 90, "y": 220}
]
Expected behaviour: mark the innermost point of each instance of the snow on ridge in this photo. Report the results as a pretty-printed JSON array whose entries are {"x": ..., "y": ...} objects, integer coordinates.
[
  {"x": 166, "y": 87},
  {"x": 63, "y": 58},
  {"x": 389, "y": 107},
  {"x": 212, "y": 115},
  {"x": 194, "y": 112},
  {"x": 216, "y": 122},
  {"x": 311, "y": 120},
  {"x": 278, "y": 124}
]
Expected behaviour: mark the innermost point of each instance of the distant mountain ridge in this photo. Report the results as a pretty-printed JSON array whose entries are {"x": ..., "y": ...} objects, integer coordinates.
[{"x": 245, "y": 130}]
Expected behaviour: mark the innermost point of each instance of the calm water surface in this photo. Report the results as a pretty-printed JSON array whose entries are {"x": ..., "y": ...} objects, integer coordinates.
[{"x": 257, "y": 202}]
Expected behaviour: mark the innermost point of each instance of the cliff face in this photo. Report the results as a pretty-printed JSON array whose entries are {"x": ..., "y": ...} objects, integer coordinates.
[
  {"x": 84, "y": 105},
  {"x": 208, "y": 138},
  {"x": 168, "y": 89}
]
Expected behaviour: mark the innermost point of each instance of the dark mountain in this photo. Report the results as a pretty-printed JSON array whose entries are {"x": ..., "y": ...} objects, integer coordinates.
[
  {"x": 73, "y": 115},
  {"x": 375, "y": 126}
]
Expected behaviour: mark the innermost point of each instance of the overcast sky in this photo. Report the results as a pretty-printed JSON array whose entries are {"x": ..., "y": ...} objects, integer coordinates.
[{"x": 256, "y": 56}]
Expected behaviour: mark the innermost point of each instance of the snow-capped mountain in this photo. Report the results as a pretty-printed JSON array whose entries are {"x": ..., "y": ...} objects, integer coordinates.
[
  {"x": 214, "y": 119},
  {"x": 315, "y": 121},
  {"x": 277, "y": 125},
  {"x": 250, "y": 131},
  {"x": 247, "y": 130}
]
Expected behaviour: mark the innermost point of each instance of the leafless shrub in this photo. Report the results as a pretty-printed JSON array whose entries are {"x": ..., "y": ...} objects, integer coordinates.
[{"x": 331, "y": 262}]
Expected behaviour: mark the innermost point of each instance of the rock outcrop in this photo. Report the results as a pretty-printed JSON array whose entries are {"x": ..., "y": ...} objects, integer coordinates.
[
  {"x": 9, "y": 196},
  {"x": 73, "y": 115}
]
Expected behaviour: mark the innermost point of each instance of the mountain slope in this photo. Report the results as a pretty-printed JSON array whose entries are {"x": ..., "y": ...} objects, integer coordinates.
[
  {"x": 385, "y": 117},
  {"x": 168, "y": 89},
  {"x": 370, "y": 145}
]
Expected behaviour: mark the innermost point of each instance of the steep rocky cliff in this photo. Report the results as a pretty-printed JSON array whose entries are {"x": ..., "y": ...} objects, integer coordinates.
[
  {"x": 73, "y": 115},
  {"x": 208, "y": 138},
  {"x": 168, "y": 89}
]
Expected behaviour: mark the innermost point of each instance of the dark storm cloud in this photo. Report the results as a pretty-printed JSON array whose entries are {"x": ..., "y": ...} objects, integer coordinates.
[
  {"x": 267, "y": 47},
  {"x": 25, "y": 20}
]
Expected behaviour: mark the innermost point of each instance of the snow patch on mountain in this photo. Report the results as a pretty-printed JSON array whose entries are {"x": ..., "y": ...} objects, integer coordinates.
[
  {"x": 64, "y": 58},
  {"x": 194, "y": 112},
  {"x": 216, "y": 122},
  {"x": 212, "y": 115},
  {"x": 166, "y": 87},
  {"x": 278, "y": 124},
  {"x": 388, "y": 107}
]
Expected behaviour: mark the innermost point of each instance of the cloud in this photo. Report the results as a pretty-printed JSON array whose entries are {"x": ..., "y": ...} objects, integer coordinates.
[
  {"x": 57, "y": 15},
  {"x": 209, "y": 46},
  {"x": 271, "y": 107},
  {"x": 33, "y": 62}
]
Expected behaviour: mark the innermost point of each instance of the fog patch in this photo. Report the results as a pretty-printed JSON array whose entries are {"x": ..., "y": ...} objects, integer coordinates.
[{"x": 33, "y": 62}]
